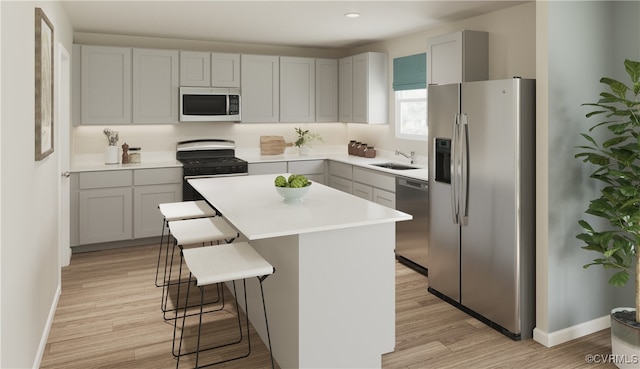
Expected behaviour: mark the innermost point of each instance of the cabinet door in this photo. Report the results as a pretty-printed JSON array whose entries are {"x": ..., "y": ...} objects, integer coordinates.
[
  {"x": 345, "y": 89},
  {"x": 458, "y": 57},
  {"x": 147, "y": 220},
  {"x": 260, "y": 88},
  {"x": 195, "y": 68},
  {"x": 105, "y": 215},
  {"x": 360, "y": 88},
  {"x": 297, "y": 89},
  {"x": 370, "y": 88},
  {"x": 155, "y": 86},
  {"x": 225, "y": 70},
  {"x": 278, "y": 167},
  {"x": 444, "y": 65},
  {"x": 326, "y": 90},
  {"x": 105, "y": 85}
]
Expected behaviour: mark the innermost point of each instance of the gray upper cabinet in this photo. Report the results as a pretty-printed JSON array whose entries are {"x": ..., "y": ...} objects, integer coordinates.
[
  {"x": 297, "y": 89},
  {"x": 345, "y": 89},
  {"x": 326, "y": 90},
  {"x": 124, "y": 85},
  {"x": 364, "y": 88},
  {"x": 260, "y": 88},
  {"x": 155, "y": 86},
  {"x": 206, "y": 69},
  {"x": 195, "y": 68},
  {"x": 458, "y": 57},
  {"x": 225, "y": 70},
  {"x": 371, "y": 88},
  {"x": 105, "y": 85}
]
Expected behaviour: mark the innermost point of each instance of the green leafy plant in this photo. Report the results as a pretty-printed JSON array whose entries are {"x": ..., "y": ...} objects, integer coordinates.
[
  {"x": 617, "y": 165},
  {"x": 305, "y": 137}
]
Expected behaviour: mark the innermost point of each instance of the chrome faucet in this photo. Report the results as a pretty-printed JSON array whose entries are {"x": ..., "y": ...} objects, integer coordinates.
[{"x": 411, "y": 156}]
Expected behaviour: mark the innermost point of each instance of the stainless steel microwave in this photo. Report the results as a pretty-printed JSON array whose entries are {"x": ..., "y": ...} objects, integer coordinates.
[{"x": 207, "y": 104}]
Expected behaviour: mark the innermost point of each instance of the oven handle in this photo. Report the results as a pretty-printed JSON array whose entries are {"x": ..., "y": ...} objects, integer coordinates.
[{"x": 216, "y": 175}]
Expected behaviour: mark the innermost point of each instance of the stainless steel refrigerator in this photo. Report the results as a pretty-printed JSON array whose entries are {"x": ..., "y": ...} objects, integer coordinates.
[{"x": 482, "y": 200}]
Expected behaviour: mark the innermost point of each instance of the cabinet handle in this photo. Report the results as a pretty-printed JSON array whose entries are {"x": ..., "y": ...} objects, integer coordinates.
[{"x": 66, "y": 174}]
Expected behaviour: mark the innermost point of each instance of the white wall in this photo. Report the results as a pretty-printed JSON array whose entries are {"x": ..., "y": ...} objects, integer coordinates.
[
  {"x": 511, "y": 53},
  {"x": 29, "y": 262},
  {"x": 577, "y": 45}
]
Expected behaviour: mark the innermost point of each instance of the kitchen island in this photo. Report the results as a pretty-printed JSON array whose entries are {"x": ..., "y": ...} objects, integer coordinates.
[{"x": 331, "y": 302}]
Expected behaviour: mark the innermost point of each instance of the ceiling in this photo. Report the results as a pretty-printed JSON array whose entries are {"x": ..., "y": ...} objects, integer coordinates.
[{"x": 301, "y": 23}]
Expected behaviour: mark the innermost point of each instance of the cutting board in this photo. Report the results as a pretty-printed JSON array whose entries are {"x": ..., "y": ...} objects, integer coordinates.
[{"x": 273, "y": 145}]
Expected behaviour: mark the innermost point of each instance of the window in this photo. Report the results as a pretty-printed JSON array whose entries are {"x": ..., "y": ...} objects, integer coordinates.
[
  {"x": 411, "y": 114},
  {"x": 410, "y": 86}
]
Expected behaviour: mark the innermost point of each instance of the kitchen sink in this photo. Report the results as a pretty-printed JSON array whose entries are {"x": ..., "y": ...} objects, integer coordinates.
[{"x": 394, "y": 166}]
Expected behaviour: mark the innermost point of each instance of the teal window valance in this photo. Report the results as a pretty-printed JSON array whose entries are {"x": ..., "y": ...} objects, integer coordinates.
[{"x": 410, "y": 72}]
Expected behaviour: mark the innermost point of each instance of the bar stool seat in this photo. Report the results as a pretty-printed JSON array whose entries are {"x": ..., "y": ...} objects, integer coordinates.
[
  {"x": 193, "y": 231},
  {"x": 217, "y": 264},
  {"x": 201, "y": 230},
  {"x": 186, "y": 210},
  {"x": 177, "y": 211}
]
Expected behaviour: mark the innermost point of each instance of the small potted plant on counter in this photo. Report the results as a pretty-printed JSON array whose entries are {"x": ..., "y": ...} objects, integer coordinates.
[
  {"x": 615, "y": 155},
  {"x": 305, "y": 137}
]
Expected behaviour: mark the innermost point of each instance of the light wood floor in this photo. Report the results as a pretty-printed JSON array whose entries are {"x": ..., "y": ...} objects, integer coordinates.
[{"x": 109, "y": 316}]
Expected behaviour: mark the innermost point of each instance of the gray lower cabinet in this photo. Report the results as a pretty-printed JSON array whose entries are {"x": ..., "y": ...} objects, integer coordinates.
[
  {"x": 147, "y": 220},
  {"x": 119, "y": 205},
  {"x": 368, "y": 184},
  {"x": 312, "y": 169},
  {"x": 105, "y": 215}
]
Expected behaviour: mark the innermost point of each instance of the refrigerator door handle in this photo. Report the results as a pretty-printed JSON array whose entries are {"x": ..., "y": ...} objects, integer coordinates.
[
  {"x": 454, "y": 170},
  {"x": 464, "y": 171}
]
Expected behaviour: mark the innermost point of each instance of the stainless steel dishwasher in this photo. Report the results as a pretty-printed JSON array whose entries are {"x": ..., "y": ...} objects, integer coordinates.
[{"x": 412, "y": 236}]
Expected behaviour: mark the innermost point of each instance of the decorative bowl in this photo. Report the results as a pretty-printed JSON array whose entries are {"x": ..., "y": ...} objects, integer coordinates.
[{"x": 292, "y": 195}]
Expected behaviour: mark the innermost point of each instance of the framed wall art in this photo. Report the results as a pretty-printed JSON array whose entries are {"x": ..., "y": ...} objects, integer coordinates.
[{"x": 44, "y": 85}]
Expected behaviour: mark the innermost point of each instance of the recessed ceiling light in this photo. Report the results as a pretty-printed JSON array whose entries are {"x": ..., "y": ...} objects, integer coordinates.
[{"x": 352, "y": 15}]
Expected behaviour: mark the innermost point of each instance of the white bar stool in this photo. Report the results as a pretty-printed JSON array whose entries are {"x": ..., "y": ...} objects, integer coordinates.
[
  {"x": 194, "y": 231},
  {"x": 179, "y": 211},
  {"x": 217, "y": 264}
]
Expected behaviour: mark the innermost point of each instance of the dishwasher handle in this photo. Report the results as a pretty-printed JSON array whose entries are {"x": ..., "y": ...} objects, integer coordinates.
[{"x": 416, "y": 185}]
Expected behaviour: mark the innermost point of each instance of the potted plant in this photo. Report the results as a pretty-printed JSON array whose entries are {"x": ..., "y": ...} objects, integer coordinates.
[
  {"x": 616, "y": 158},
  {"x": 305, "y": 137}
]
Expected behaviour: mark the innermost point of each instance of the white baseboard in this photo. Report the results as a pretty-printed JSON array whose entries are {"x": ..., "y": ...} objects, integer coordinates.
[
  {"x": 570, "y": 333},
  {"x": 47, "y": 328}
]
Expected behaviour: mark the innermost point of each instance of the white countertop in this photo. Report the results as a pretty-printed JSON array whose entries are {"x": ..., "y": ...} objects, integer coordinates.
[
  {"x": 253, "y": 206},
  {"x": 337, "y": 154},
  {"x": 95, "y": 162},
  {"x": 166, "y": 159}
]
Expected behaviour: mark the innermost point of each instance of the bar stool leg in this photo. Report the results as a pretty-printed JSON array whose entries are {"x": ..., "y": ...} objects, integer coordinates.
[
  {"x": 266, "y": 321},
  {"x": 164, "y": 226},
  {"x": 247, "y": 327},
  {"x": 219, "y": 291}
]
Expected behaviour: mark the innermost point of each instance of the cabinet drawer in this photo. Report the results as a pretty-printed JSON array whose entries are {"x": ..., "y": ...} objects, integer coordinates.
[
  {"x": 112, "y": 178},
  {"x": 385, "y": 198},
  {"x": 339, "y": 183},
  {"x": 306, "y": 167},
  {"x": 363, "y": 191},
  {"x": 157, "y": 176},
  {"x": 340, "y": 169},
  {"x": 375, "y": 179}
]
